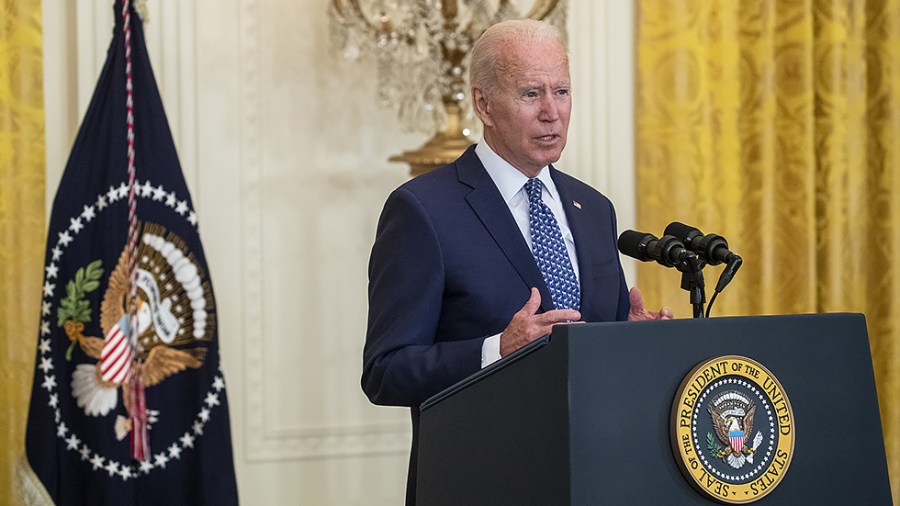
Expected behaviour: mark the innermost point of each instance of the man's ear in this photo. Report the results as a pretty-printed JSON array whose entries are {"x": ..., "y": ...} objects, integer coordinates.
[{"x": 481, "y": 106}]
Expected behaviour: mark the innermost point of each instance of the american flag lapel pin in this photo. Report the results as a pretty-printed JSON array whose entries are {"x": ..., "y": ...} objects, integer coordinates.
[{"x": 576, "y": 204}]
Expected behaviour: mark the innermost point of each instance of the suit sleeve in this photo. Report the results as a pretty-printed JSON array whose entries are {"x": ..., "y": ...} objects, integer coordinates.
[{"x": 403, "y": 362}]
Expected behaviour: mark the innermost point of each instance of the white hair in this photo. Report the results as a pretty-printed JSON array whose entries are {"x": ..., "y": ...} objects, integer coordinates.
[{"x": 485, "y": 64}]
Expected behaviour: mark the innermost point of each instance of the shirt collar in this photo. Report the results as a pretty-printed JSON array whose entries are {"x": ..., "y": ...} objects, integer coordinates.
[{"x": 509, "y": 180}]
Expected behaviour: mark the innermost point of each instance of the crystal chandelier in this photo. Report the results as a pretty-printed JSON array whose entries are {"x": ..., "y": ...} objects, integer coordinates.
[{"x": 422, "y": 50}]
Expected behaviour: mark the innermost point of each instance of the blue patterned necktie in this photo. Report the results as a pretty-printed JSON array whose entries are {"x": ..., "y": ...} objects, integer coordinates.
[{"x": 550, "y": 252}]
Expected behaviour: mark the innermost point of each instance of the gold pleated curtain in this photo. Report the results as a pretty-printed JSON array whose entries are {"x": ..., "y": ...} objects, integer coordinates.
[
  {"x": 21, "y": 223},
  {"x": 776, "y": 123}
]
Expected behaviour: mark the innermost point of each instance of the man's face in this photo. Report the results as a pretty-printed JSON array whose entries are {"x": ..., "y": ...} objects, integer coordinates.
[{"x": 527, "y": 118}]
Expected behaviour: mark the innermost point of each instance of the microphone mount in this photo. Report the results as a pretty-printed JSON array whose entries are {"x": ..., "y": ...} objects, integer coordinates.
[
  {"x": 712, "y": 249},
  {"x": 692, "y": 280},
  {"x": 669, "y": 252}
]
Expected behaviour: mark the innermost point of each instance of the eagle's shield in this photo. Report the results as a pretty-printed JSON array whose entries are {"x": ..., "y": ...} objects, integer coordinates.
[{"x": 736, "y": 438}]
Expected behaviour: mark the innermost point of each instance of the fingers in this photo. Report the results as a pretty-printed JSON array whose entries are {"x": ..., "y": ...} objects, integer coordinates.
[
  {"x": 639, "y": 313},
  {"x": 559, "y": 316},
  {"x": 526, "y": 325},
  {"x": 551, "y": 317},
  {"x": 636, "y": 300},
  {"x": 518, "y": 333},
  {"x": 534, "y": 302}
]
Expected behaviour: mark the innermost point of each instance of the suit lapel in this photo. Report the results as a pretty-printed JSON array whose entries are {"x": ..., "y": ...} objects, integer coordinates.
[
  {"x": 486, "y": 201},
  {"x": 585, "y": 245}
]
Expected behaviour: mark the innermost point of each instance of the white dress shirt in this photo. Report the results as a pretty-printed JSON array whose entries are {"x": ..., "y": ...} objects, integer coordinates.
[{"x": 511, "y": 182}]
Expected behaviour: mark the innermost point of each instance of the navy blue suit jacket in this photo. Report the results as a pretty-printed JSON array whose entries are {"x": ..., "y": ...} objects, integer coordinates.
[{"x": 450, "y": 267}]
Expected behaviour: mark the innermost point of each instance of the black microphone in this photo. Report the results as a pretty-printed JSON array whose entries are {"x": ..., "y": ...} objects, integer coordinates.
[
  {"x": 667, "y": 251},
  {"x": 710, "y": 247}
]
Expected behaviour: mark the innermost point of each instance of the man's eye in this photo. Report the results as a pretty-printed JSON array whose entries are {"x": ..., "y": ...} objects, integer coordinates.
[
  {"x": 531, "y": 94},
  {"x": 562, "y": 92}
]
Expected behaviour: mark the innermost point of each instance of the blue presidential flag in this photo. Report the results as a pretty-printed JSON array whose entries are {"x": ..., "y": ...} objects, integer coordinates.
[{"x": 128, "y": 404}]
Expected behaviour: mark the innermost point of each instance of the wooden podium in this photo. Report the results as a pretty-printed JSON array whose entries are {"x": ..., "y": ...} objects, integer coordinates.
[{"x": 584, "y": 416}]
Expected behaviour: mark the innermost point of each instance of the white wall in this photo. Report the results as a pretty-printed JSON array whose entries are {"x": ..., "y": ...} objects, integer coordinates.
[{"x": 285, "y": 154}]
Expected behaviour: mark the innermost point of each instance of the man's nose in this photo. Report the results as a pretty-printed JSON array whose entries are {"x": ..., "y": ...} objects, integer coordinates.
[{"x": 549, "y": 108}]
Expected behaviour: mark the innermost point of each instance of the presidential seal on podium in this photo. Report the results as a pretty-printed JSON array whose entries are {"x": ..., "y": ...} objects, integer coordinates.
[{"x": 732, "y": 429}]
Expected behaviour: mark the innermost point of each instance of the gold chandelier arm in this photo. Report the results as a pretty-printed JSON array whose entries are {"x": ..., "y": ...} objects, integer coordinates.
[
  {"x": 449, "y": 9},
  {"x": 338, "y": 7},
  {"x": 541, "y": 9},
  {"x": 356, "y": 11}
]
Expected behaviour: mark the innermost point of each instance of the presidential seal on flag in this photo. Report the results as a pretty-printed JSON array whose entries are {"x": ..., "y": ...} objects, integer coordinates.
[
  {"x": 174, "y": 322},
  {"x": 732, "y": 429}
]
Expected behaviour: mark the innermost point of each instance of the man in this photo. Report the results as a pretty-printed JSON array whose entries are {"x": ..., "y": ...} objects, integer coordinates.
[{"x": 459, "y": 250}]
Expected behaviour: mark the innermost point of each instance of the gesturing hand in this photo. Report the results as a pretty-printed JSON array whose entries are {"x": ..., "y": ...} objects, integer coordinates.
[
  {"x": 526, "y": 326},
  {"x": 638, "y": 313}
]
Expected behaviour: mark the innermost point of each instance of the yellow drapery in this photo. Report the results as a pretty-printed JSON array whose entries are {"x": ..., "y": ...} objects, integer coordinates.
[
  {"x": 21, "y": 223},
  {"x": 776, "y": 123}
]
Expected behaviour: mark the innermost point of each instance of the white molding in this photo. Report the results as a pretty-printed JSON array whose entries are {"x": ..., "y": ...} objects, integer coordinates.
[
  {"x": 93, "y": 32},
  {"x": 262, "y": 441},
  {"x": 170, "y": 34},
  {"x": 587, "y": 141},
  {"x": 60, "y": 99},
  {"x": 601, "y": 142},
  {"x": 251, "y": 233},
  {"x": 620, "y": 60},
  {"x": 332, "y": 441}
]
